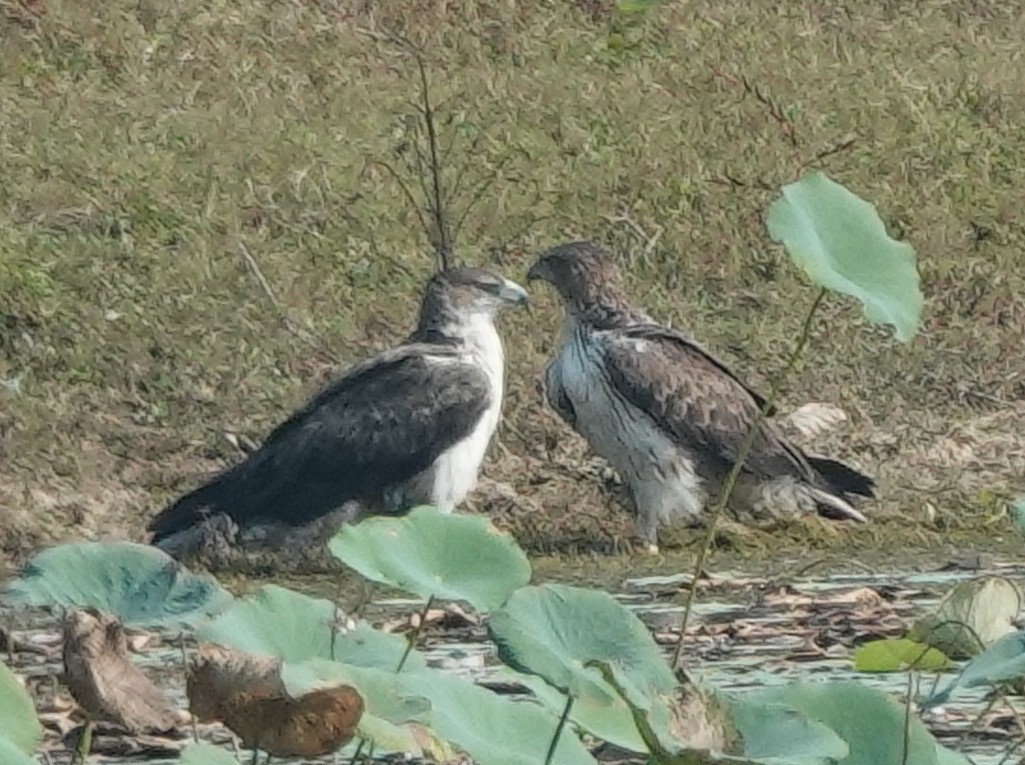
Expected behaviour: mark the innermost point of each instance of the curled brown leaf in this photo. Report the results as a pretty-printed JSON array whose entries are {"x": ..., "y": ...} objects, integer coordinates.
[
  {"x": 246, "y": 694},
  {"x": 103, "y": 679}
]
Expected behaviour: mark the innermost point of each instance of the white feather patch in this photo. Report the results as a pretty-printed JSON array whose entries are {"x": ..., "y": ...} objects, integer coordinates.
[
  {"x": 814, "y": 418},
  {"x": 454, "y": 474}
]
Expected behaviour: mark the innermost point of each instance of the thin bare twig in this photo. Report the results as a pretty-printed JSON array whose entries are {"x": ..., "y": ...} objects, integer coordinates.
[
  {"x": 839, "y": 147},
  {"x": 650, "y": 241},
  {"x": 290, "y": 325},
  {"x": 786, "y": 125},
  {"x": 444, "y": 245},
  {"x": 406, "y": 192},
  {"x": 457, "y": 184},
  {"x": 818, "y": 561},
  {"x": 429, "y": 164},
  {"x": 731, "y": 180},
  {"x": 424, "y": 176},
  {"x": 478, "y": 193},
  {"x": 254, "y": 268}
]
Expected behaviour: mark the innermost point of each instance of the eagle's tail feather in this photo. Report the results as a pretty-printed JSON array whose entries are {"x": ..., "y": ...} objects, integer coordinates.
[
  {"x": 843, "y": 478},
  {"x": 188, "y": 510},
  {"x": 831, "y": 506}
]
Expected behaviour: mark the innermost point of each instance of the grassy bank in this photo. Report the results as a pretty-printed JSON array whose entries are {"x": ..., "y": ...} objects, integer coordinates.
[{"x": 196, "y": 229}]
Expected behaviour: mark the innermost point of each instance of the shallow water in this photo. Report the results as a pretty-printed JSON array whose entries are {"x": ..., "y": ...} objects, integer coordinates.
[{"x": 745, "y": 631}]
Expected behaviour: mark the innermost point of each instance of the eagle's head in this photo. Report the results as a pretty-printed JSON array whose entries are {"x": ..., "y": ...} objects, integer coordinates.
[
  {"x": 581, "y": 272},
  {"x": 469, "y": 290}
]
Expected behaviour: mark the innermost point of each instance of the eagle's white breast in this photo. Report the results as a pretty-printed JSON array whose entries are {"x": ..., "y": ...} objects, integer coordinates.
[
  {"x": 454, "y": 474},
  {"x": 660, "y": 473}
]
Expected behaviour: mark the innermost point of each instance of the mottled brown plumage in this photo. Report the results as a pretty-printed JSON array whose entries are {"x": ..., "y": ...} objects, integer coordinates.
[{"x": 669, "y": 416}]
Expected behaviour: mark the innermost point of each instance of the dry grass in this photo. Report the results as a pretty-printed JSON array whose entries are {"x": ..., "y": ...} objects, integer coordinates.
[{"x": 149, "y": 152}]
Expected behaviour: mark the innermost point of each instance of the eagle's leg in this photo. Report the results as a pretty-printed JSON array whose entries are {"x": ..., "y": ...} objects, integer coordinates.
[
  {"x": 648, "y": 504},
  {"x": 671, "y": 493}
]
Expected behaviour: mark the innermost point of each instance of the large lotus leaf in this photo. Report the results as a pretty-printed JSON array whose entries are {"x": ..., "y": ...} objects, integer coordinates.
[
  {"x": 12, "y": 755},
  {"x": 20, "y": 728},
  {"x": 452, "y": 557},
  {"x": 141, "y": 585},
  {"x": 1018, "y": 513},
  {"x": 203, "y": 753},
  {"x": 1002, "y": 661},
  {"x": 775, "y": 733},
  {"x": 971, "y": 617},
  {"x": 870, "y": 721},
  {"x": 280, "y": 622},
  {"x": 388, "y": 705},
  {"x": 609, "y": 719},
  {"x": 946, "y": 756},
  {"x": 839, "y": 240},
  {"x": 899, "y": 655},
  {"x": 492, "y": 729},
  {"x": 725, "y": 729},
  {"x": 554, "y": 630}
]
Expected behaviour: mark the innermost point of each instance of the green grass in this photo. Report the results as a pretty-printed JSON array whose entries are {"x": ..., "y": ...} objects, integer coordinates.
[{"x": 148, "y": 155}]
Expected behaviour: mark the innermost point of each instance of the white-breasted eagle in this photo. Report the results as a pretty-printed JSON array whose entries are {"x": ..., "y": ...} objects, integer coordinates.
[
  {"x": 406, "y": 427},
  {"x": 669, "y": 416}
]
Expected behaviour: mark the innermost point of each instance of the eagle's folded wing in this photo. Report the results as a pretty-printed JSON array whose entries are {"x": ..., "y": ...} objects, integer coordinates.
[
  {"x": 386, "y": 420},
  {"x": 695, "y": 399}
]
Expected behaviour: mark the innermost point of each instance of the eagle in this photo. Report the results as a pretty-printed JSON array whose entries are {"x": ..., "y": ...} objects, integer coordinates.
[
  {"x": 669, "y": 416},
  {"x": 407, "y": 427}
]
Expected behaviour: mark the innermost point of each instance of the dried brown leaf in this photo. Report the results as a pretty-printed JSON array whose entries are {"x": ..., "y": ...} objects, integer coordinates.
[
  {"x": 700, "y": 720},
  {"x": 246, "y": 693},
  {"x": 217, "y": 674},
  {"x": 434, "y": 748},
  {"x": 103, "y": 680}
]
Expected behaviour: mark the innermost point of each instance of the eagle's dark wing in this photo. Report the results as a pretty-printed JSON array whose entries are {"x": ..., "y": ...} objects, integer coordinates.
[
  {"x": 695, "y": 399},
  {"x": 383, "y": 422}
]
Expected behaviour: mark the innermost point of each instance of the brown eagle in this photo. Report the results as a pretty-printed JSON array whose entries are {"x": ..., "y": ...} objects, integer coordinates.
[{"x": 669, "y": 416}]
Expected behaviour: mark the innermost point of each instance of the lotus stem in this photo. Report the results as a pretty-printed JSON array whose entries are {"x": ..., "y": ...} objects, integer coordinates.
[
  {"x": 185, "y": 671},
  {"x": 558, "y": 730},
  {"x": 358, "y": 752},
  {"x": 906, "y": 739},
  {"x": 335, "y": 617},
  {"x": 414, "y": 637},
  {"x": 85, "y": 743},
  {"x": 411, "y": 641},
  {"x": 738, "y": 465}
]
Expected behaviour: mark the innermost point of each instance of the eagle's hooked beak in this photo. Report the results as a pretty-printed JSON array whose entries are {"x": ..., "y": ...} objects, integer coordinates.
[
  {"x": 513, "y": 293},
  {"x": 537, "y": 271}
]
